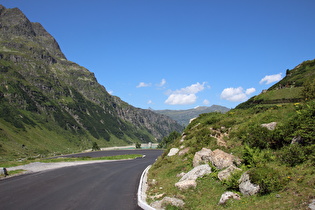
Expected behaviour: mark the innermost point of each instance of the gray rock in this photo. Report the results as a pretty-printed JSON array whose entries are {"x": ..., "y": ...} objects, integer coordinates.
[
  {"x": 312, "y": 205},
  {"x": 297, "y": 140},
  {"x": 202, "y": 156},
  {"x": 222, "y": 159},
  {"x": 173, "y": 152},
  {"x": 186, "y": 184},
  {"x": 246, "y": 187},
  {"x": 218, "y": 158},
  {"x": 4, "y": 172},
  {"x": 180, "y": 174},
  {"x": 270, "y": 126},
  {"x": 226, "y": 196},
  {"x": 167, "y": 201},
  {"x": 198, "y": 171},
  {"x": 226, "y": 173},
  {"x": 184, "y": 151}
]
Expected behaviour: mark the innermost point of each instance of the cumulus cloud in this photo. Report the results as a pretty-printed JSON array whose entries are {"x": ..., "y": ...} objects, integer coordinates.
[
  {"x": 110, "y": 92},
  {"x": 150, "y": 102},
  {"x": 181, "y": 99},
  {"x": 206, "y": 102},
  {"x": 185, "y": 95},
  {"x": 142, "y": 84},
  {"x": 236, "y": 94},
  {"x": 162, "y": 83},
  {"x": 250, "y": 91},
  {"x": 271, "y": 78}
]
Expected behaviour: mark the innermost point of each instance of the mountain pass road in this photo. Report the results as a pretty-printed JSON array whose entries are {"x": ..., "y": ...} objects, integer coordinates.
[{"x": 106, "y": 185}]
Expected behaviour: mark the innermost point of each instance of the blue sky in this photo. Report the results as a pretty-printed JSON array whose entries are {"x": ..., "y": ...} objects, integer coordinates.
[{"x": 179, "y": 54}]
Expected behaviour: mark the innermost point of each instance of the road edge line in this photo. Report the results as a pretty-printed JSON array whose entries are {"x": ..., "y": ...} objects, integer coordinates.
[{"x": 142, "y": 191}]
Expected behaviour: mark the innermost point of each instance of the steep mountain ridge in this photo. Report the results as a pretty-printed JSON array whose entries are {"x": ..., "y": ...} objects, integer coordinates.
[{"x": 41, "y": 91}]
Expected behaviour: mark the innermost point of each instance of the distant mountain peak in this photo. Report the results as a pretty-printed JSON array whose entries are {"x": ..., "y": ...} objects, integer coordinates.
[{"x": 183, "y": 116}]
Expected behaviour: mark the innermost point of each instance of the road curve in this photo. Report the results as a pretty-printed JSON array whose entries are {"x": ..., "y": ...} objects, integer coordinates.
[{"x": 107, "y": 185}]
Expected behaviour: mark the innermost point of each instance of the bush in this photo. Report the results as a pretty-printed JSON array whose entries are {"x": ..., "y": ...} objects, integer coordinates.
[
  {"x": 168, "y": 140},
  {"x": 138, "y": 145},
  {"x": 232, "y": 182},
  {"x": 268, "y": 179},
  {"x": 253, "y": 157},
  {"x": 296, "y": 154},
  {"x": 95, "y": 147}
]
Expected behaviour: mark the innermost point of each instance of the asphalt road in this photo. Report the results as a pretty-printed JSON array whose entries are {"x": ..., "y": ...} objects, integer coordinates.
[{"x": 108, "y": 185}]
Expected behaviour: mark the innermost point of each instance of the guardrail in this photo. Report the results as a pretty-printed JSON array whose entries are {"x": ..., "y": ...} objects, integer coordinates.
[{"x": 142, "y": 191}]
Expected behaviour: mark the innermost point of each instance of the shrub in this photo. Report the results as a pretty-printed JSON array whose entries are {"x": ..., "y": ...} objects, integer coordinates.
[
  {"x": 268, "y": 179},
  {"x": 169, "y": 139},
  {"x": 95, "y": 147},
  {"x": 138, "y": 145},
  {"x": 296, "y": 154},
  {"x": 232, "y": 182},
  {"x": 253, "y": 157}
]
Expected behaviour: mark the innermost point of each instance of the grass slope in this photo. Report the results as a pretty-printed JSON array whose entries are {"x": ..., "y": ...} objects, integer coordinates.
[{"x": 284, "y": 171}]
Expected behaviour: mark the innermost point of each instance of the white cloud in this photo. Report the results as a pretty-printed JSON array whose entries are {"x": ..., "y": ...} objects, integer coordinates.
[
  {"x": 142, "y": 84},
  {"x": 181, "y": 99},
  {"x": 185, "y": 95},
  {"x": 271, "y": 78},
  {"x": 110, "y": 92},
  {"x": 250, "y": 91},
  {"x": 236, "y": 94},
  {"x": 162, "y": 83},
  {"x": 206, "y": 102},
  {"x": 150, "y": 102}
]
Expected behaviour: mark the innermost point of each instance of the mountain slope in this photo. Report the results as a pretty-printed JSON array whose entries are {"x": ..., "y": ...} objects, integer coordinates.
[
  {"x": 270, "y": 143},
  {"x": 44, "y": 96},
  {"x": 184, "y": 116},
  {"x": 289, "y": 89}
]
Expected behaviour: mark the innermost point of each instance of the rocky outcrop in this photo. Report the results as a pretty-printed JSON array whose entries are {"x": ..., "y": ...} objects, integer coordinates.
[
  {"x": 226, "y": 173},
  {"x": 312, "y": 204},
  {"x": 270, "y": 126},
  {"x": 158, "y": 205},
  {"x": 202, "y": 156},
  {"x": 246, "y": 187},
  {"x": 173, "y": 152},
  {"x": 218, "y": 158},
  {"x": 198, "y": 171},
  {"x": 186, "y": 184},
  {"x": 222, "y": 159},
  {"x": 228, "y": 195}
]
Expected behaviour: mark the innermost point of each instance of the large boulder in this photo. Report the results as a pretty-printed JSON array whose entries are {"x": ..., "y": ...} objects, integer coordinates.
[
  {"x": 218, "y": 158},
  {"x": 226, "y": 196},
  {"x": 186, "y": 184},
  {"x": 173, "y": 152},
  {"x": 270, "y": 126},
  {"x": 222, "y": 159},
  {"x": 198, "y": 171},
  {"x": 167, "y": 201},
  {"x": 246, "y": 187},
  {"x": 312, "y": 205},
  {"x": 202, "y": 156},
  {"x": 226, "y": 173}
]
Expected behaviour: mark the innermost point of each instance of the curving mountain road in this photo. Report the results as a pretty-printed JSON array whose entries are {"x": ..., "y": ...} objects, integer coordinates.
[{"x": 107, "y": 185}]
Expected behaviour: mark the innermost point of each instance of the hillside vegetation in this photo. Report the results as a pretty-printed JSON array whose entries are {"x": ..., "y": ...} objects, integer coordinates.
[
  {"x": 50, "y": 105},
  {"x": 280, "y": 159}
]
